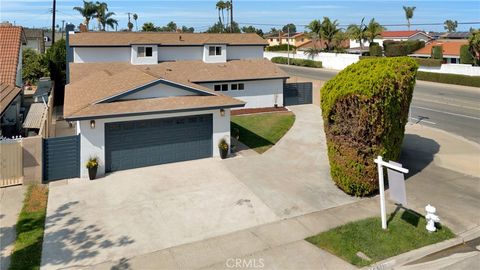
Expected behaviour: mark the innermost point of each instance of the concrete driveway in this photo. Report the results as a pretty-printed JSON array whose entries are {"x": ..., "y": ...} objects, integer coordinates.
[{"x": 134, "y": 212}]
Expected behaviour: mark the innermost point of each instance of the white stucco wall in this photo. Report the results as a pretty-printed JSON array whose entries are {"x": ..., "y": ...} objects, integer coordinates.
[
  {"x": 460, "y": 69},
  {"x": 336, "y": 61},
  {"x": 98, "y": 54},
  {"x": 159, "y": 90},
  {"x": 180, "y": 53},
  {"x": 214, "y": 58},
  {"x": 92, "y": 141},
  {"x": 244, "y": 52},
  {"x": 151, "y": 60},
  {"x": 257, "y": 94},
  {"x": 33, "y": 44}
]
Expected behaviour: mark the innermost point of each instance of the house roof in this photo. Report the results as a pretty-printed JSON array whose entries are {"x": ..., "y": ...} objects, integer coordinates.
[
  {"x": 8, "y": 93},
  {"x": 319, "y": 44},
  {"x": 83, "y": 99},
  {"x": 33, "y": 33},
  {"x": 11, "y": 39},
  {"x": 161, "y": 38},
  {"x": 401, "y": 34},
  {"x": 457, "y": 35},
  {"x": 449, "y": 47}
]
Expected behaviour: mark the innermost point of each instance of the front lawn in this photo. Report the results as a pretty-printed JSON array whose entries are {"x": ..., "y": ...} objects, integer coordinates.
[
  {"x": 261, "y": 131},
  {"x": 406, "y": 231},
  {"x": 30, "y": 225}
]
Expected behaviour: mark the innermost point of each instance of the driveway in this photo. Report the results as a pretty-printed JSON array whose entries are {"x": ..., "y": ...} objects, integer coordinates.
[{"x": 138, "y": 211}]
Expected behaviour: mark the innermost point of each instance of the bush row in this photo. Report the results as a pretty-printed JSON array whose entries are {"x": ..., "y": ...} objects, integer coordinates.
[
  {"x": 401, "y": 48},
  {"x": 449, "y": 78},
  {"x": 466, "y": 56},
  {"x": 297, "y": 62},
  {"x": 281, "y": 47},
  {"x": 428, "y": 62}
]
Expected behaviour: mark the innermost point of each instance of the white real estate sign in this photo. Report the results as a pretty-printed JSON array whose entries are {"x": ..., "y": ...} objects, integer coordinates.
[{"x": 396, "y": 183}]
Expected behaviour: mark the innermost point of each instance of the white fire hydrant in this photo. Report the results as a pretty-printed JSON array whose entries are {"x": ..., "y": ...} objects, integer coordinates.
[{"x": 431, "y": 218}]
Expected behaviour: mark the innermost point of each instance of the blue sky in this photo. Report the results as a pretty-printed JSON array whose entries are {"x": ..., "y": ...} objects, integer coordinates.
[{"x": 201, "y": 13}]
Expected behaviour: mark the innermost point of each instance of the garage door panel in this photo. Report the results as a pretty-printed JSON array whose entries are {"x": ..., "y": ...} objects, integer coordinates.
[{"x": 151, "y": 142}]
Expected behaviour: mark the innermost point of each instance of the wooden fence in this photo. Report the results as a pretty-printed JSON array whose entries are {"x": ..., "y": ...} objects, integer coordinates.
[{"x": 11, "y": 162}]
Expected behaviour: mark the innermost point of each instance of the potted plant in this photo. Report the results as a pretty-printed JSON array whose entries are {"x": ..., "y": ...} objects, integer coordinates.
[
  {"x": 223, "y": 147},
  {"x": 92, "y": 166}
]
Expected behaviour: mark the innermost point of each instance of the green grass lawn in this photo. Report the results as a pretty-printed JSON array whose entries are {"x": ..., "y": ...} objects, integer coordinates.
[
  {"x": 406, "y": 231},
  {"x": 261, "y": 131},
  {"x": 30, "y": 225}
]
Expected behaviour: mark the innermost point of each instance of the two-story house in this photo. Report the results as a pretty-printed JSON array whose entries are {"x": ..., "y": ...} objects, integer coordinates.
[{"x": 143, "y": 99}]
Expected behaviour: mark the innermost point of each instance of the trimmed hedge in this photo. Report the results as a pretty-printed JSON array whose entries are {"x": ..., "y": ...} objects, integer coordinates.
[
  {"x": 449, "y": 78},
  {"x": 281, "y": 47},
  {"x": 437, "y": 52},
  {"x": 297, "y": 62},
  {"x": 375, "y": 50},
  {"x": 365, "y": 109},
  {"x": 466, "y": 56},
  {"x": 401, "y": 48},
  {"x": 428, "y": 62}
]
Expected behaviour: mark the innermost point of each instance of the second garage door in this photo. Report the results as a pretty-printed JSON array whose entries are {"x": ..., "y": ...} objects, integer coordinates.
[{"x": 142, "y": 143}]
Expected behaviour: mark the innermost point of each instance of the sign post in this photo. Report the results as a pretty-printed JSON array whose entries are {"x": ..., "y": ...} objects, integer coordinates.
[{"x": 381, "y": 186}]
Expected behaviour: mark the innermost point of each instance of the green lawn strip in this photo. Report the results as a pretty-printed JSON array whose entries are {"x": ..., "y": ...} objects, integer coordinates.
[
  {"x": 406, "y": 231},
  {"x": 261, "y": 131},
  {"x": 30, "y": 226}
]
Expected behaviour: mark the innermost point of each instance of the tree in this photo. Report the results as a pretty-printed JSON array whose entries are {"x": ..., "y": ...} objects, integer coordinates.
[
  {"x": 220, "y": 6},
  {"x": 450, "y": 26},
  {"x": 291, "y": 26},
  {"x": 328, "y": 30},
  {"x": 130, "y": 26},
  {"x": 87, "y": 11},
  {"x": 34, "y": 66},
  {"x": 252, "y": 29},
  {"x": 216, "y": 28},
  {"x": 135, "y": 18},
  {"x": 228, "y": 7},
  {"x": 170, "y": 27},
  {"x": 357, "y": 33},
  {"x": 186, "y": 29},
  {"x": 100, "y": 13},
  {"x": 408, "y": 14},
  {"x": 148, "y": 27},
  {"x": 56, "y": 58},
  {"x": 274, "y": 30},
  {"x": 373, "y": 30},
  {"x": 474, "y": 45}
]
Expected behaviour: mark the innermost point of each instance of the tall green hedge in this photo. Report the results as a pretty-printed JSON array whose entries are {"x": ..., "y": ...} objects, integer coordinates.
[
  {"x": 365, "y": 109},
  {"x": 297, "y": 62},
  {"x": 449, "y": 78},
  {"x": 428, "y": 62},
  {"x": 375, "y": 50},
  {"x": 281, "y": 47},
  {"x": 401, "y": 48},
  {"x": 466, "y": 56},
  {"x": 437, "y": 52}
]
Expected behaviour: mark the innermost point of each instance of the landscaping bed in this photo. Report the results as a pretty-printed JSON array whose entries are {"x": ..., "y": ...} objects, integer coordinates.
[
  {"x": 27, "y": 252},
  {"x": 406, "y": 231},
  {"x": 261, "y": 131},
  {"x": 258, "y": 110}
]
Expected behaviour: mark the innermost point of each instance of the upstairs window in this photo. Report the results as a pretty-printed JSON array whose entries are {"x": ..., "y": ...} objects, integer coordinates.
[
  {"x": 220, "y": 87},
  {"x": 144, "y": 52},
  {"x": 214, "y": 50},
  {"x": 237, "y": 86}
]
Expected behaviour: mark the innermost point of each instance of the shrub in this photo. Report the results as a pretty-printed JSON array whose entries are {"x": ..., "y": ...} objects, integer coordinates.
[
  {"x": 375, "y": 50},
  {"x": 281, "y": 47},
  {"x": 297, "y": 62},
  {"x": 365, "y": 109},
  {"x": 449, "y": 78},
  {"x": 437, "y": 52},
  {"x": 466, "y": 56},
  {"x": 401, "y": 48},
  {"x": 428, "y": 62}
]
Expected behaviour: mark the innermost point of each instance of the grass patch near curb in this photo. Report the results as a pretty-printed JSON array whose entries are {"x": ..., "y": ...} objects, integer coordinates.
[
  {"x": 261, "y": 131},
  {"x": 406, "y": 231},
  {"x": 27, "y": 252}
]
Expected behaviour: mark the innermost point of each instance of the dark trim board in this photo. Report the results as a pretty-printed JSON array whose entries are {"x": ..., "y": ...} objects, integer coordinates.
[
  {"x": 167, "y": 45},
  {"x": 244, "y": 80}
]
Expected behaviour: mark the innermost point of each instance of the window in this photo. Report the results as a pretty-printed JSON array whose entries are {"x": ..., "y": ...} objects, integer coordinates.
[
  {"x": 234, "y": 86},
  {"x": 224, "y": 87},
  {"x": 217, "y": 87},
  {"x": 454, "y": 61},
  {"x": 214, "y": 50},
  {"x": 144, "y": 52},
  {"x": 241, "y": 86},
  {"x": 237, "y": 86}
]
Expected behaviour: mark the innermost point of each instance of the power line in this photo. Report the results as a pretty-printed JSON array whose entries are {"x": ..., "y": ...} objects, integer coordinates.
[{"x": 344, "y": 25}]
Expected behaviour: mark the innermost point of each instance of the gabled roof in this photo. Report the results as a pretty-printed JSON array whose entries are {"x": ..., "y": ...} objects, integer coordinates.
[
  {"x": 11, "y": 39},
  {"x": 162, "y": 38},
  {"x": 401, "y": 34},
  {"x": 449, "y": 47},
  {"x": 7, "y": 94},
  {"x": 33, "y": 33}
]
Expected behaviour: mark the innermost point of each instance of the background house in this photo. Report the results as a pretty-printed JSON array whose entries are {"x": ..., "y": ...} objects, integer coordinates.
[
  {"x": 35, "y": 39},
  {"x": 395, "y": 36},
  {"x": 450, "y": 49},
  {"x": 294, "y": 39}
]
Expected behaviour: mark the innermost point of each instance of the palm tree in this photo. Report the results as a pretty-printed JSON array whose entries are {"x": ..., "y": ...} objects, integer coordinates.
[
  {"x": 474, "y": 45},
  {"x": 220, "y": 6},
  {"x": 135, "y": 18},
  {"x": 408, "y": 14},
  {"x": 87, "y": 11},
  {"x": 148, "y": 27},
  {"x": 373, "y": 30},
  {"x": 100, "y": 12},
  {"x": 357, "y": 33},
  {"x": 450, "y": 26},
  {"x": 315, "y": 27},
  {"x": 108, "y": 21},
  {"x": 228, "y": 6},
  {"x": 328, "y": 31}
]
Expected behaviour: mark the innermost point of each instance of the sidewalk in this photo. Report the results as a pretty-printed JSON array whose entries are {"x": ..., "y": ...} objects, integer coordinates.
[{"x": 442, "y": 172}]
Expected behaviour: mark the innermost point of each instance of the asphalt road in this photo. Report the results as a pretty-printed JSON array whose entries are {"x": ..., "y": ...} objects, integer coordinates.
[{"x": 452, "y": 108}]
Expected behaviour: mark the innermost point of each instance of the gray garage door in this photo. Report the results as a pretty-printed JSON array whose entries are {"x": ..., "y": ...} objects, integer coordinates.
[
  {"x": 297, "y": 93},
  {"x": 142, "y": 143}
]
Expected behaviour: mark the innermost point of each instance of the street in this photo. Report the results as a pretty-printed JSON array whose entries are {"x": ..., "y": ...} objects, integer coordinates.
[{"x": 451, "y": 108}]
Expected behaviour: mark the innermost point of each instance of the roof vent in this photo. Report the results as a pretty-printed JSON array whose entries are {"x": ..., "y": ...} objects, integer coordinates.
[
  {"x": 180, "y": 37},
  {"x": 168, "y": 69}
]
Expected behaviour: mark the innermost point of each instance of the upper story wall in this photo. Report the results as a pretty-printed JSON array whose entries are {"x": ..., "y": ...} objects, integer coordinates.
[
  {"x": 101, "y": 54},
  {"x": 244, "y": 52},
  {"x": 178, "y": 53}
]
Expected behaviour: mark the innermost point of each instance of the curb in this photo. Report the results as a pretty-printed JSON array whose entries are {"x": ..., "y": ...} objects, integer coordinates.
[{"x": 416, "y": 254}]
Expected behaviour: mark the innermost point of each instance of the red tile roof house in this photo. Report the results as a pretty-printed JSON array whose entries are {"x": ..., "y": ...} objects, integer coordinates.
[
  {"x": 450, "y": 49},
  {"x": 395, "y": 36},
  {"x": 141, "y": 99},
  {"x": 11, "y": 40}
]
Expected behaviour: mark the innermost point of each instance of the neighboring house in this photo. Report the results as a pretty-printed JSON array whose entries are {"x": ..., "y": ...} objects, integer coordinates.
[
  {"x": 294, "y": 39},
  {"x": 395, "y": 36},
  {"x": 450, "y": 49},
  {"x": 47, "y": 37},
  {"x": 11, "y": 41},
  {"x": 143, "y": 99},
  {"x": 35, "y": 39},
  {"x": 319, "y": 44}
]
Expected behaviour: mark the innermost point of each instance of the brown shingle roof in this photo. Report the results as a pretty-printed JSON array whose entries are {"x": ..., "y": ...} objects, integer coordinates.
[
  {"x": 92, "y": 82},
  {"x": 7, "y": 94},
  {"x": 129, "y": 38},
  {"x": 11, "y": 38}
]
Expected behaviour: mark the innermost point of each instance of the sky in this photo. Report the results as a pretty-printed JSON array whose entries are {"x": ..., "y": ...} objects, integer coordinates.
[{"x": 262, "y": 14}]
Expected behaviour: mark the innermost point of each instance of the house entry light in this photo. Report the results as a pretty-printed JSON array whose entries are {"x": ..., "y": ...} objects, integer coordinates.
[
  {"x": 92, "y": 124},
  {"x": 222, "y": 112}
]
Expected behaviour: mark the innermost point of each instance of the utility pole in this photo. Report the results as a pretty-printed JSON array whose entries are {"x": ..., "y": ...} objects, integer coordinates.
[
  {"x": 288, "y": 45},
  {"x": 53, "y": 20},
  {"x": 231, "y": 16}
]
